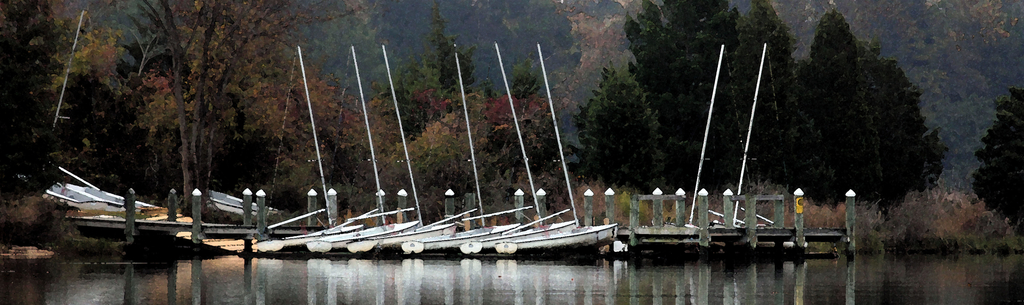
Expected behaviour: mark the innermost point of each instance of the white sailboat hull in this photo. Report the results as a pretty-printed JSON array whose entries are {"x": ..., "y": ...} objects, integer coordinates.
[
  {"x": 451, "y": 243},
  {"x": 395, "y": 241},
  {"x": 274, "y": 245},
  {"x": 341, "y": 241},
  {"x": 490, "y": 243},
  {"x": 584, "y": 237}
]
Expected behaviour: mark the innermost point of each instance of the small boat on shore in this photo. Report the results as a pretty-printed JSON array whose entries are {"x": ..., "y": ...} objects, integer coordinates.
[
  {"x": 394, "y": 242},
  {"x": 451, "y": 243},
  {"x": 341, "y": 241},
  {"x": 591, "y": 237},
  {"x": 518, "y": 234}
]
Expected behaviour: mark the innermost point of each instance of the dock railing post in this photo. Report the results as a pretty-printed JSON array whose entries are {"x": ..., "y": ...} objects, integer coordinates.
[
  {"x": 310, "y": 207},
  {"x": 780, "y": 214},
  {"x": 680, "y": 208},
  {"x": 197, "y": 216},
  {"x": 702, "y": 220},
  {"x": 851, "y": 223},
  {"x": 332, "y": 205},
  {"x": 403, "y": 198},
  {"x": 634, "y": 218},
  {"x": 129, "y": 216},
  {"x": 727, "y": 207},
  {"x": 658, "y": 207},
  {"x": 172, "y": 205},
  {"x": 261, "y": 214},
  {"x": 449, "y": 203},
  {"x": 247, "y": 207},
  {"x": 588, "y": 208},
  {"x": 609, "y": 206},
  {"x": 542, "y": 204},
  {"x": 380, "y": 198},
  {"x": 468, "y": 202},
  {"x": 751, "y": 219},
  {"x": 798, "y": 207},
  {"x": 519, "y": 204}
]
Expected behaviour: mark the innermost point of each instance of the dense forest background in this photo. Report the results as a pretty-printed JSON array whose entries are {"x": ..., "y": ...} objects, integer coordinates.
[{"x": 877, "y": 96}]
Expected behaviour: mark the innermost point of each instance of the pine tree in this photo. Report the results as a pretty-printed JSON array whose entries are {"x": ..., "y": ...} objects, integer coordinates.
[
  {"x": 1001, "y": 174},
  {"x": 618, "y": 138},
  {"x": 772, "y": 134},
  {"x": 836, "y": 107}
]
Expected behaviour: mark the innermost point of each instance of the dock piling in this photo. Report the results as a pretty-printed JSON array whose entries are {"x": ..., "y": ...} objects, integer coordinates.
[
  {"x": 469, "y": 202},
  {"x": 542, "y": 204},
  {"x": 332, "y": 205},
  {"x": 727, "y": 207},
  {"x": 780, "y": 214},
  {"x": 403, "y": 198},
  {"x": 634, "y": 218},
  {"x": 588, "y": 208},
  {"x": 702, "y": 220},
  {"x": 658, "y": 206},
  {"x": 261, "y": 215},
  {"x": 129, "y": 216},
  {"x": 172, "y": 205},
  {"x": 680, "y": 207},
  {"x": 798, "y": 207},
  {"x": 609, "y": 204},
  {"x": 449, "y": 203},
  {"x": 851, "y": 223},
  {"x": 519, "y": 204},
  {"x": 247, "y": 207},
  {"x": 310, "y": 207},
  {"x": 197, "y": 216},
  {"x": 751, "y": 220}
]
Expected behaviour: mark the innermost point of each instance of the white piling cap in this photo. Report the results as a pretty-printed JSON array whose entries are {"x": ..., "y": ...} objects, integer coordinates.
[
  {"x": 449, "y": 192},
  {"x": 402, "y": 193},
  {"x": 261, "y": 193},
  {"x": 332, "y": 192},
  {"x": 520, "y": 192},
  {"x": 311, "y": 193},
  {"x": 680, "y": 192},
  {"x": 541, "y": 192},
  {"x": 196, "y": 192},
  {"x": 850, "y": 193},
  {"x": 609, "y": 192},
  {"x": 728, "y": 192},
  {"x": 381, "y": 193},
  {"x": 703, "y": 192},
  {"x": 247, "y": 192},
  {"x": 657, "y": 191},
  {"x": 588, "y": 193},
  {"x": 798, "y": 192}
]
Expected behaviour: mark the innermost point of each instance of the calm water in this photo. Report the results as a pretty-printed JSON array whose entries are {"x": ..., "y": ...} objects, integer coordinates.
[{"x": 233, "y": 280}]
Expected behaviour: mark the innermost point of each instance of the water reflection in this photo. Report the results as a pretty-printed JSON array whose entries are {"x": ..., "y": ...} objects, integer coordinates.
[{"x": 232, "y": 280}]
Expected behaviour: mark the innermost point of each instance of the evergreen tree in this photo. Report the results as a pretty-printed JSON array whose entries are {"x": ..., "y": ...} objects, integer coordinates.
[
  {"x": 910, "y": 154},
  {"x": 1001, "y": 174},
  {"x": 773, "y": 131},
  {"x": 27, "y": 143},
  {"x": 676, "y": 46},
  {"x": 618, "y": 136},
  {"x": 836, "y": 107}
]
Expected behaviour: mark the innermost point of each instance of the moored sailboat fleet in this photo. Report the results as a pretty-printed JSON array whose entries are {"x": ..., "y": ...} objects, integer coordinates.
[{"x": 442, "y": 237}]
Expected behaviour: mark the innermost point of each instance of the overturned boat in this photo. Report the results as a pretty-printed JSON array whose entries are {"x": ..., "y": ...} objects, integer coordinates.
[{"x": 583, "y": 238}]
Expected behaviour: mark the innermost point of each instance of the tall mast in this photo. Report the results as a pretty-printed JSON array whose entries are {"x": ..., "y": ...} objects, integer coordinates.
[
  {"x": 515, "y": 119},
  {"x": 572, "y": 202},
  {"x": 401, "y": 130},
  {"x": 469, "y": 134},
  {"x": 707, "y": 128},
  {"x": 60, "y": 100},
  {"x": 369, "y": 136},
  {"x": 316, "y": 143},
  {"x": 753, "y": 108}
]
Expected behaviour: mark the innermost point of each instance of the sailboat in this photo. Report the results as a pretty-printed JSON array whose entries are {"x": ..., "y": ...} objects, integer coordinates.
[{"x": 569, "y": 237}]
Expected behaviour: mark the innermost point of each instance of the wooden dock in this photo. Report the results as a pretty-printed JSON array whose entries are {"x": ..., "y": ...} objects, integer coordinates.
[{"x": 114, "y": 227}]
